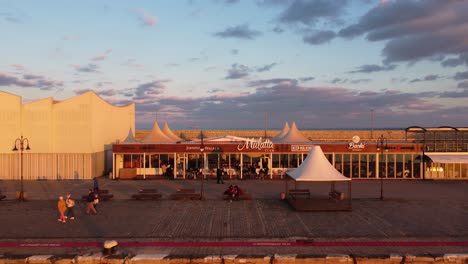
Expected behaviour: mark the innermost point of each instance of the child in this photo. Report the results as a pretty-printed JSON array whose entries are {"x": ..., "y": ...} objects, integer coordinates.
[
  {"x": 70, "y": 204},
  {"x": 62, "y": 207}
]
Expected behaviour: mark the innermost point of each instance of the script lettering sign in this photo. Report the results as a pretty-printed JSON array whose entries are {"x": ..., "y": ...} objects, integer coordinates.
[{"x": 258, "y": 144}]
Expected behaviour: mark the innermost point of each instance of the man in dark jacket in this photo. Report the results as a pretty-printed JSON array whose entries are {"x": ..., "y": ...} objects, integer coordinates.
[
  {"x": 90, "y": 202},
  {"x": 219, "y": 175}
]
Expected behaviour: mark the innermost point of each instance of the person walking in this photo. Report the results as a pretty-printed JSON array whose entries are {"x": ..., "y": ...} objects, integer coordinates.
[
  {"x": 95, "y": 185},
  {"x": 62, "y": 207},
  {"x": 219, "y": 176},
  {"x": 70, "y": 204},
  {"x": 90, "y": 203}
]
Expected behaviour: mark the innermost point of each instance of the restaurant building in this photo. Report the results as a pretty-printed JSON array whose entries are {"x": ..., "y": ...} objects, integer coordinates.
[{"x": 246, "y": 158}]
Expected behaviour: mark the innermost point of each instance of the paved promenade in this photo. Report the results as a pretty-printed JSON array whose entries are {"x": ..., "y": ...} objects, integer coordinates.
[{"x": 416, "y": 217}]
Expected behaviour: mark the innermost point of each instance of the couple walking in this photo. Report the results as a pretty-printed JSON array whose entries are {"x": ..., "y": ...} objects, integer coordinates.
[{"x": 65, "y": 208}]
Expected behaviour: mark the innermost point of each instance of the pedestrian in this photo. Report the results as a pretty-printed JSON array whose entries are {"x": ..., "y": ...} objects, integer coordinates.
[
  {"x": 70, "y": 204},
  {"x": 62, "y": 207},
  {"x": 90, "y": 203},
  {"x": 95, "y": 185},
  {"x": 219, "y": 176},
  {"x": 96, "y": 201}
]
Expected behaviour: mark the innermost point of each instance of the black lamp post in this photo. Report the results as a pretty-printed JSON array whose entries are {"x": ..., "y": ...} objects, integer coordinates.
[
  {"x": 202, "y": 148},
  {"x": 19, "y": 145},
  {"x": 382, "y": 145}
]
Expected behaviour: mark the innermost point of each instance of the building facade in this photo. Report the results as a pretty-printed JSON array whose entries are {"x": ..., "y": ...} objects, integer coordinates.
[{"x": 68, "y": 139}]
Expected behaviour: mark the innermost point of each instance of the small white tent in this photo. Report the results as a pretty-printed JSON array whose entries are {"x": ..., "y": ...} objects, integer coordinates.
[
  {"x": 282, "y": 133},
  {"x": 293, "y": 136},
  {"x": 168, "y": 132},
  {"x": 314, "y": 169},
  {"x": 157, "y": 136}
]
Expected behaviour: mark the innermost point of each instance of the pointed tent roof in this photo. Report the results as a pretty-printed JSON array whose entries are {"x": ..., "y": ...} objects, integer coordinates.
[
  {"x": 316, "y": 167},
  {"x": 167, "y": 131},
  {"x": 157, "y": 136},
  {"x": 130, "y": 138},
  {"x": 281, "y": 134},
  {"x": 293, "y": 136}
]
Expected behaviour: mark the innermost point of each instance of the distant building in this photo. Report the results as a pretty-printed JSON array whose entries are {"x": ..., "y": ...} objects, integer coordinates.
[{"x": 69, "y": 139}]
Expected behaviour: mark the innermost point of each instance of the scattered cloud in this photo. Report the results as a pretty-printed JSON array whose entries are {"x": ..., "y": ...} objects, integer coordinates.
[
  {"x": 306, "y": 79},
  {"x": 430, "y": 77},
  {"x": 278, "y": 30},
  {"x": 454, "y": 62},
  {"x": 147, "y": 19},
  {"x": 267, "y": 67},
  {"x": 369, "y": 68},
  {"x": 237, "y": 71},
  {"x": 271, "y": 82},
  {"x": 30, "y": 80},
  {"x": 240, "y": 31},
  {"x": 149, "y": 89},
  {"x": 318, "y": 37},
  {"x": 463, "y": 84},
  {"x": 461, "y": 75},
  {"x": 101, "y": 57},
  {"x": 88, "y": 68},
  {"x": 415, "y": 30},
  {"x": 310, "y": 12},
  {"x": 234, "y": 51}
]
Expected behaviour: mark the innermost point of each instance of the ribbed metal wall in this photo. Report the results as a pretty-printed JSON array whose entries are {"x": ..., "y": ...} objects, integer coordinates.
[{"x": 52, "y": 166}]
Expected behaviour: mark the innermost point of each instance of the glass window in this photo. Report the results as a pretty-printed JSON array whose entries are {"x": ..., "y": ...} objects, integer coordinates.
[
  {"x": 354, "y": 160},
  {"x": 276, "y": 161},
  {"x": 339, "y": 162}
]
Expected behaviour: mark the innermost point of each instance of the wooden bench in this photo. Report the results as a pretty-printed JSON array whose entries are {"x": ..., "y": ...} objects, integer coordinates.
[
  {"x": 299, "y": 193},
  {"x": 147, "y": 194},
  {"x": 337, "y": 196},
  {"x": 184, "y": 194},
  {"x": 243, "y": 195}
]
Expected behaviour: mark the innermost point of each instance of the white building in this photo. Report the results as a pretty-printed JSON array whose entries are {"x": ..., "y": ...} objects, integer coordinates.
[{"x": 69, "y": 139}]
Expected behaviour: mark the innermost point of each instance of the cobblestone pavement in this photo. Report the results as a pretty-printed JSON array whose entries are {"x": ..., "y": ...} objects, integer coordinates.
[{"x": 412, "y": 211}]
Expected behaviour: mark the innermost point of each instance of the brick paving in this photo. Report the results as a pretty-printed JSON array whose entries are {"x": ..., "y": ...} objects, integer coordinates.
[{"x": 413, "y": 211}]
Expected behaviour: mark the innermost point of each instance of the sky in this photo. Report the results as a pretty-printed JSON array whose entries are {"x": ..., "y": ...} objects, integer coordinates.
[{"x": 246, "y": 64}]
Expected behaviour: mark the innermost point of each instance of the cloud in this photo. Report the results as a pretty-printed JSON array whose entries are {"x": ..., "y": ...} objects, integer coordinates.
[
  {"x": 234, "y": 51},
  {"x": 101, "y": 57},
  {"x": 88, "y": 68},
  {"x": 453, "y": 62},
  {"x": 240, "y": 31},
  {"x": 455, "y": 94},
  {"x": 309, "y": 106},
  {"x": 306, "y": 79},
  {"x": 30, "y": 80},
  {"x": 461, "y": 75},
  {"x": 237, "y": 71},
  {"x": 267, "y": 67},
  {"x": 278, "y": 30},
  {"x": 368, "y": 68},
  {"x": 309, "y": 12},
  {"x": 463, "y": 84},
  {"x": 271, "y": 82},
  {"x": 146, "y": 19},
  {"x": 415, "y": 30},
  {"x": 318, "y": 37},
  {"x": 149, "y": 89},
  {"x": 430, "y": 77},
  {"x": 231, "y": 1}
]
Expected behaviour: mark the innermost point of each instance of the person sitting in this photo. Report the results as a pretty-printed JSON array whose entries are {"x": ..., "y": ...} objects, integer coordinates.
[{"x": 235, "y": 192}]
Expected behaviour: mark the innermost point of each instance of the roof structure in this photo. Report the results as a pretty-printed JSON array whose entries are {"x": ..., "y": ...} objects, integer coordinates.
[
  {"x": 130, "y": 138},
  {"x": 281, "y": 134},
  {"x": 157, "y": 136},
  {"x": 293, "y": 136},
  {"x": 316, "y": 167},
  {"x": 167, "y": 131}
]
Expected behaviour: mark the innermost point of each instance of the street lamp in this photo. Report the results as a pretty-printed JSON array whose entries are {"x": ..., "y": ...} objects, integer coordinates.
[
  {"x": 202, "y": 148},
  {"x": 19, "y": 145},
  {"x": 382, "y": 145}
]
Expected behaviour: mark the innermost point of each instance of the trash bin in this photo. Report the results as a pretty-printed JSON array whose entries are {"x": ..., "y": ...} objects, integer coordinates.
[{"x": 283, "y": 196}]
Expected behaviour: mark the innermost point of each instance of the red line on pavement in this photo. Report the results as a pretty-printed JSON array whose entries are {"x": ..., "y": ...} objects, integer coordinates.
[{"x": 247, "y": 244}]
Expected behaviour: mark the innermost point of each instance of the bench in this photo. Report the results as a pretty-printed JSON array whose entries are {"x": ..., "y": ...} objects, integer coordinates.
[
  {"x": 243, "y": 195},
  {"x": 147, "y": 196},
  {"x": 184, "y": 194},
  {"x": 2, "y": 196},
  {"x": 299, "y": 193},
  {"x": 337, "y": 196},
  {"x": 148, "y": 191}
]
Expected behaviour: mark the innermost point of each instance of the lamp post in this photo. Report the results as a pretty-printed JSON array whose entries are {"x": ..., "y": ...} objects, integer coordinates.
[
  {"x": 202, "y": 148},
  {"x": 19, "y": 145},
  {"x": 382, "y": 145}
]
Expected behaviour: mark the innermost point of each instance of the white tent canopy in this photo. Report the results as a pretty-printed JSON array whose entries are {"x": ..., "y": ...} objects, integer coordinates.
[
  {"x": 293, "y": 136},
  {"x": 130, "y": 138},
  {"x": 168, "y": 132},
  {"x": 282, "y": 133},
  {"x": 316, "y": 167},
  {"x": 157, "y": 136}
]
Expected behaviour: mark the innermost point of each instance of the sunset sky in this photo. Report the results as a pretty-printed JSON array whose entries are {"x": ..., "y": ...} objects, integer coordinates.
[{"x": 226, "y": 64}]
